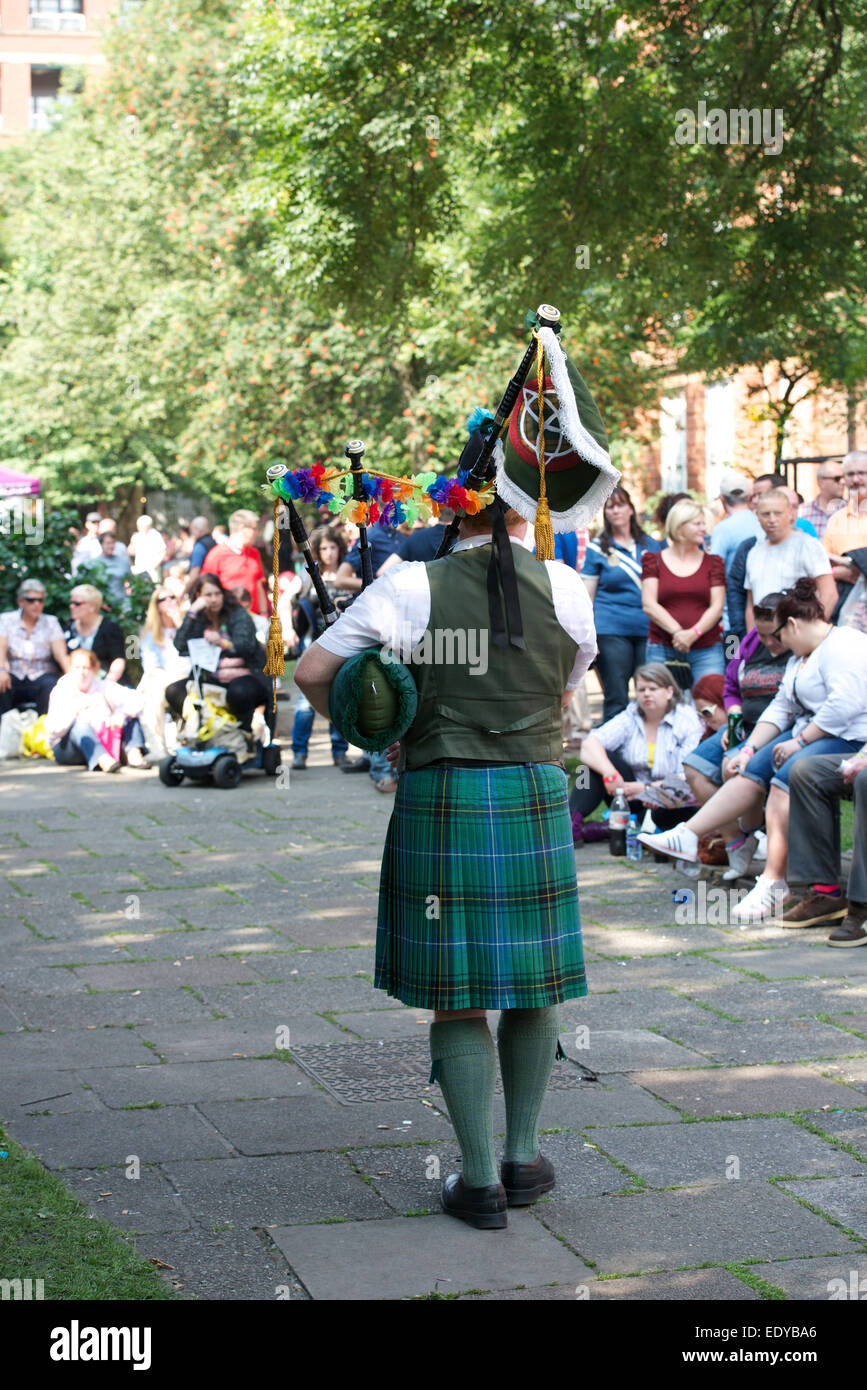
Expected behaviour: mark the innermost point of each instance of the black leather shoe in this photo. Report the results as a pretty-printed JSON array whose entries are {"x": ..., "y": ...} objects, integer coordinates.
[
  {"x": 482, "y": 1207},
  {"x": 527, "y": 1182}
]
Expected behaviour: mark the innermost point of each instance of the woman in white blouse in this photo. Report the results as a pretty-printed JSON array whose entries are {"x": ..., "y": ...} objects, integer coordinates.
[
  {"x": 647, "y": 742},
  {"x": 819, "y": 708},
  {"x": 84, "y": 712}
]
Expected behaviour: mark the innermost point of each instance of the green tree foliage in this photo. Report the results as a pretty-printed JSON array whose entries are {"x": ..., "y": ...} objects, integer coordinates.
[{"x": 263, "y": 231}]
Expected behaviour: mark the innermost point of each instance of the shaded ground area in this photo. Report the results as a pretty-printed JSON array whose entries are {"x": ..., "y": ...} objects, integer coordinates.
[{"x": 187, "y": 995}]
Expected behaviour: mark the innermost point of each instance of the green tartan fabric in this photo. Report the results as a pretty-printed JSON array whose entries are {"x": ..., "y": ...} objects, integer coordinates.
[{"x": 478, "y": 899}]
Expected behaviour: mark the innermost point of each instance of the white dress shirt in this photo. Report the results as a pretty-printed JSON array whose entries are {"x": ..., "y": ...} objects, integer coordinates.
[{"x": 394, "y": 611}]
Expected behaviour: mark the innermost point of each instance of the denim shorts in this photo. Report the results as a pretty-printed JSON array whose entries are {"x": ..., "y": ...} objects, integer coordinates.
[
  {"x": 707, "y": 756},
  {"x": 760, "y": 767}
]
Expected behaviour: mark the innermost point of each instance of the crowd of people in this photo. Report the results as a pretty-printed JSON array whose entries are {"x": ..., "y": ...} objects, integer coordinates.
[{"x": 744, "y": 638}]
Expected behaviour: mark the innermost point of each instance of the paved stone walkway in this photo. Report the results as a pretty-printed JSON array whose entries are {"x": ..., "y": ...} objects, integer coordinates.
[{"x": 187, "y": 994}]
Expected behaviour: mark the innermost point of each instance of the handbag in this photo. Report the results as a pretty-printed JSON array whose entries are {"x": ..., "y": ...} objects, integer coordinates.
[{"x": 682, "y": 672}]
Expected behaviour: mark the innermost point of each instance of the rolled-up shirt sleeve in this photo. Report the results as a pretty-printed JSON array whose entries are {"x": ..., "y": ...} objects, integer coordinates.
[
  {"x": 392, "y": 612},
  {"x": 574, "y": 612}
]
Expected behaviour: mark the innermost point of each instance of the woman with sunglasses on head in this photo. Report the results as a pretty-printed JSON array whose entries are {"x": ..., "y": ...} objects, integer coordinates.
[
  {"x": 612, "y": 575},
  {"x": 92, "y": 629},
  {"x": 161, "y": 664},
  {"x": 819, "y": 708},
  {"x": 31, "y": 650}
]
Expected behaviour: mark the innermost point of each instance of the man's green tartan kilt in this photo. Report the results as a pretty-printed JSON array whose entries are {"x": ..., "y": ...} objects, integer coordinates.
[{"x": 478, "y": 899}]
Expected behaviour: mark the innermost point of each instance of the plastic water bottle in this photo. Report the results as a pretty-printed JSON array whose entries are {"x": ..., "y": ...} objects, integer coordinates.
[
  {"x": 618, "y": 819},
  {"x": 633, "y": 845}
]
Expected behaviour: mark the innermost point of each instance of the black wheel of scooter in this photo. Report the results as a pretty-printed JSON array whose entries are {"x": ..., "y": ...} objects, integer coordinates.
[
  {"x": 270, "y": 760},
  {"x": 170, "y": 774},
  {"x": 226, "y": 772}
]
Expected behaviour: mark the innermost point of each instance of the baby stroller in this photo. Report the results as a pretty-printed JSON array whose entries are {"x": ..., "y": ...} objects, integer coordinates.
[{"x": 211, "y": 743}]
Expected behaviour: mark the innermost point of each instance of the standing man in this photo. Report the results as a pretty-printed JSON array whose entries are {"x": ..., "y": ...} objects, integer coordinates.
[
  {"x": 478, "y": 903},
  {"x": 147, "y": 549},
  {"x": 847, "y": 528},
  {"x": 784, "y": 555},
  {"x": 828, "y": 500},
  {"x": 237, "y": 562},
  {"x": 203, "y": 542},
  {"x": 739, "y": 522},
  {"x": 87, "y": 548}
]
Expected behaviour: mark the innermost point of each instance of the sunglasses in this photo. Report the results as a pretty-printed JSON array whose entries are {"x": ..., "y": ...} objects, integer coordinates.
[
  {"x": 77, "y": 602},
  {"x": 708, "y": 711},
  {"x": 164, "y": 598},
  {"x": 32, "y": 598}
]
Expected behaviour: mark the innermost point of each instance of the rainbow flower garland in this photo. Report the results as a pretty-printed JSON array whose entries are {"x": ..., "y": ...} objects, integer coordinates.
[{"x": 387, "y": 500}]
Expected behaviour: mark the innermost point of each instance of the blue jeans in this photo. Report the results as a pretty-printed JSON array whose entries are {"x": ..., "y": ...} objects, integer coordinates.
[
  {"x": 302, "y": 724},
  {"x": 81, "y": 745},
  {"x": 707, "y": 757},
  {"x": 616, "y": 661},
  {"x": 707, "y": 661},
  {"x": 380, "y": 767},
  {"x": 760, "y": 767}
]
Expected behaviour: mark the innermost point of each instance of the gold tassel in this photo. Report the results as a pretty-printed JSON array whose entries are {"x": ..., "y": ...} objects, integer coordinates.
[
  {"x": 543, "y": 530},
  {"x": 274, "y": 663}
]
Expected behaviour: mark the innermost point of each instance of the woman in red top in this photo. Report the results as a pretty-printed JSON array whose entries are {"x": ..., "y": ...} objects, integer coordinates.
[{"x": 683, "y": 592}]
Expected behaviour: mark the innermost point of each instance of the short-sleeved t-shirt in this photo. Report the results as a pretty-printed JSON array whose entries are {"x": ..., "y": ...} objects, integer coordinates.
[
  {"x": 772, "y": 568},
  {"x": 846, "y": 530},
  {"x": 200, "y": 550},
  {"x": 728, "y": 533},
  {"x": 383, "y": 541},
  {"x": 421, "y": 544},
  {"x": 685, "y": 597},
  {"x": 234, "y": 569},
  {"x": 617, "y": 609}
]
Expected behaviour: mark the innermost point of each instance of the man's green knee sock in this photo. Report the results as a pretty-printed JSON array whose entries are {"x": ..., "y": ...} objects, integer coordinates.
[
  {"x": 465, "y": 1064},
  {"x": 527, "y": 1040}
]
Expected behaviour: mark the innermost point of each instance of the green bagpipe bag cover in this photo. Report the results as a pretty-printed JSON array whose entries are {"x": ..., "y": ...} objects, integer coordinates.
[{"x": 373, "y": 701}]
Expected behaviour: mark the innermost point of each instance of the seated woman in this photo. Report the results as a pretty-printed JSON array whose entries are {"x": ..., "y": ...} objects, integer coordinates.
[
  {"x": 216, "y": 615},
  {"x": 161, "y": 664},
  {"x": 90, "y": 628},
  {"x": 91, "y": 721},
  {"x": 31, "y": 651},
  {"x": 819, "y": 708},
  {"x": 752, "y": 679},
  {"x": 645, "y": 743}
]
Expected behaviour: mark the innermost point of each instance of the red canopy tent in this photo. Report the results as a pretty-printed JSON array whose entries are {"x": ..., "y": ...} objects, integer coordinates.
[{"x": 14, "y": 484}]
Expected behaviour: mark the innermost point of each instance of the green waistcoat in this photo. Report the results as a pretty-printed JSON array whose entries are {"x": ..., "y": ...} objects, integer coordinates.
[{"x": 476, "y": 700}]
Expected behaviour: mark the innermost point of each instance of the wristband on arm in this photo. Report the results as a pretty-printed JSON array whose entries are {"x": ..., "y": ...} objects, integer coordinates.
[{"x": 697, "y": 630}]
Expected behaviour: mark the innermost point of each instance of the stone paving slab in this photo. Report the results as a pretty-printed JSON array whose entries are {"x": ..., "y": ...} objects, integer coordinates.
[
  {"x": 238, "y": 1266},
  {"x": 815, "y": 960},
  {"x": 746, "y": 999},
  {"x": 276, "y": 1191},
  {"x": 259, "y": 1000},
  {"x": 339, "y": 927},
  {"x": 217, "y": 970},
  {"x": 330, "y": 963},
  {"x": 310, "y": 1123},
  {"x": 387, "y": 1023},
  {"x": 632, "y": 1008},
  {"x": 675, "y": 1287},
  {"x": 703, "y": 1153},
  {"x": 216, "y": 1040},
  {"x": 180, "y": 1083},
  {"x": 613, "y": 1101},
  {"x": 146, "y": 1204},
  {"x": 746, "y": 1090},
  {"x": 104, "y": 1009},
  {"x": 174, "y": 945},
  {"x": 40, "y": 979},
  {"x": 852, "y": 1071},
  {"x": 819, "y": 1280},
  {"x": 652, "y": 941},
  {"x": 65, "y": 1051},
  {"x": 844, "y": 1199},
  {"x": 45, "y": 1092},
  {"x": 329, "y": 996},
  {"x": 89, "y": 1140},
  {"x": 383, "y": 1260},
  {"x": 691, "y": 1226},
  {"x": 604, "y": 1050},
  {"x": 849, "y": 1126},
  {"x": 795, "y": 1040},
  {"x": 683, "y": 972}
]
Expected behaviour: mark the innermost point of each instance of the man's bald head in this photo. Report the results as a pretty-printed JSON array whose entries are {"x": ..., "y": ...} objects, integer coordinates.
[{"x": 199, "y": 526}]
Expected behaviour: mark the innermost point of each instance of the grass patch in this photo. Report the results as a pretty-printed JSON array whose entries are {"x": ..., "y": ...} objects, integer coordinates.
[{"x": 47, "y": 1233}]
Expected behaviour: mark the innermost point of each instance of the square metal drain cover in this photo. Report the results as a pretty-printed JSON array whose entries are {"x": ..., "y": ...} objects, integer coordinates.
[{"x": 394, "y": 1070}]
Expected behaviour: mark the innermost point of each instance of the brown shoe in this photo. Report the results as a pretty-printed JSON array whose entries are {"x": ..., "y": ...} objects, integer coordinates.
[
  {"x": 816, "y": 910},
  {"x": 851, "y": 932}
]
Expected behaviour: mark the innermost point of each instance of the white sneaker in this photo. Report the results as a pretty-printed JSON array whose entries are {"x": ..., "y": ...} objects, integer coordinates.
[
  {"x": 740, "y": 859},
  {"x": 761, "y": 849},
  {"x": 763, "y": 902},
  {"x": 680, "y": 843}
]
